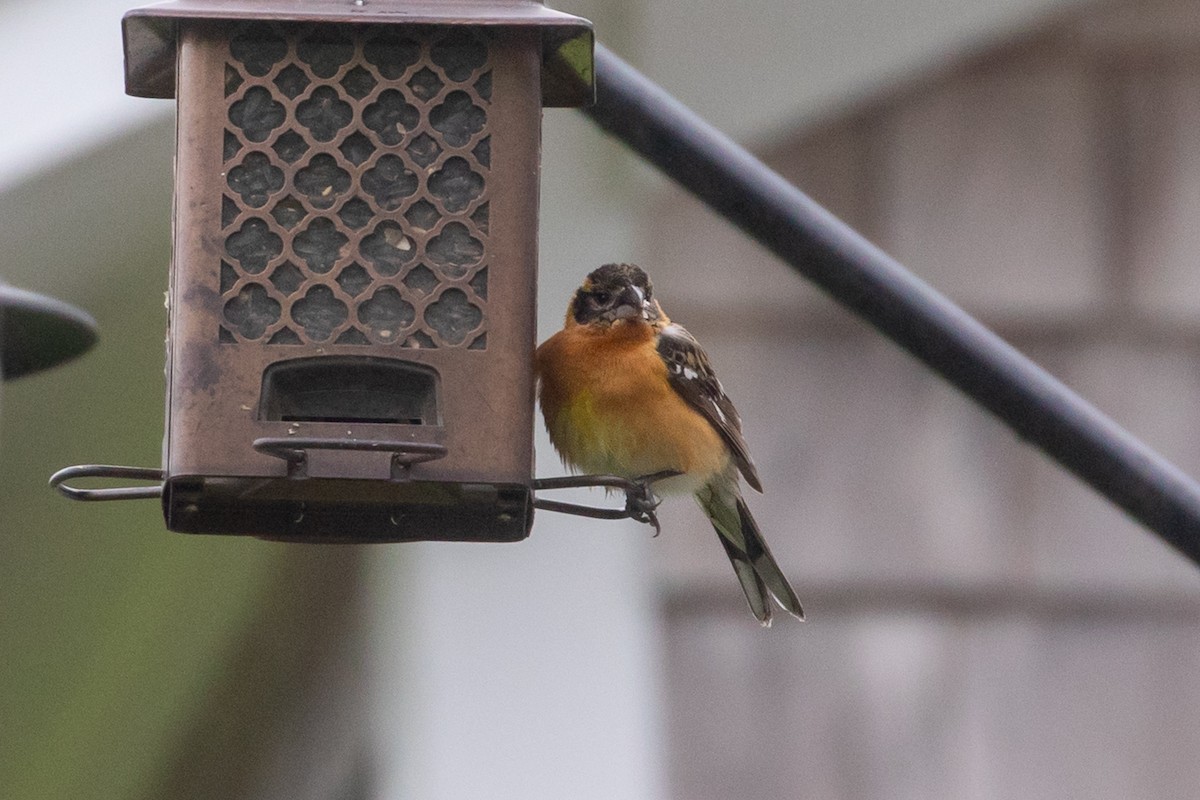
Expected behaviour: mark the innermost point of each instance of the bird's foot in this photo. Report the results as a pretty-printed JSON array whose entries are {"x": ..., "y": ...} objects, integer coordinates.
[
  {"x": 641, "y": 502},
  {"x": 640, "y": 505}
]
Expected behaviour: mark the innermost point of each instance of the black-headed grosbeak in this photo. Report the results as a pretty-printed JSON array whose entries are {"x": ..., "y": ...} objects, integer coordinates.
[{"x": 627, "y": 392}]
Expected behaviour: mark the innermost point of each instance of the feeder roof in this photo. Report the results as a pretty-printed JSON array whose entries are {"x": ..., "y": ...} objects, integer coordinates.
[{"x": 150, "y": 34}]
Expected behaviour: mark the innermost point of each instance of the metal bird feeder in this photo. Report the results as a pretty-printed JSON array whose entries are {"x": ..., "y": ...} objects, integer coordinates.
[{"x": 351, "y": 304}]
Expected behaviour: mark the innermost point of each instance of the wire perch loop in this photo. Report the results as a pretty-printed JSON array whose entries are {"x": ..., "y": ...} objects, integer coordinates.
[
  {"x": 640, "y": 499},
  {"x": 59, "y": 481}
]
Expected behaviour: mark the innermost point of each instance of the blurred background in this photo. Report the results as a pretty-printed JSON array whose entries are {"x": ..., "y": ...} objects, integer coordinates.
[{"x": 980, "y": 625}]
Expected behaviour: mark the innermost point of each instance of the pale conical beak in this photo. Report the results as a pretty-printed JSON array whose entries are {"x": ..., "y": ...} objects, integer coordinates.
[{"x": 632, "y": 304}]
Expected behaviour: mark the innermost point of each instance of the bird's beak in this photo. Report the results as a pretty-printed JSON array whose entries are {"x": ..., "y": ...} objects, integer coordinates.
[{"x": 632, "y": 304}]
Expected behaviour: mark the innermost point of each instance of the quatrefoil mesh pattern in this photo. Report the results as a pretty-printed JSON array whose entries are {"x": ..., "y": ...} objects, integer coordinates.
[{"x": 355, "y": 207}]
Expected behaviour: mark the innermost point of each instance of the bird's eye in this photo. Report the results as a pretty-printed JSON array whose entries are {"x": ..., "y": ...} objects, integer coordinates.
[{"x": 602, "y": 298}]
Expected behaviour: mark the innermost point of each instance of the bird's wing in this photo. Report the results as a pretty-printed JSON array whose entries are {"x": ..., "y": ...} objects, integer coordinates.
[{"x": 693, "y": 378}]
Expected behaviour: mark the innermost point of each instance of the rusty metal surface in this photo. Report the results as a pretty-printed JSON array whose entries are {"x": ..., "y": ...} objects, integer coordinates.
[
  {"x": 331, "y": 208},
  {"x": 565, "y": 41}
]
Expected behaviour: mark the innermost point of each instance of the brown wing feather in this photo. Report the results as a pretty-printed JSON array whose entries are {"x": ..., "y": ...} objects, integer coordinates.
[{"x": 692, "y": 377}]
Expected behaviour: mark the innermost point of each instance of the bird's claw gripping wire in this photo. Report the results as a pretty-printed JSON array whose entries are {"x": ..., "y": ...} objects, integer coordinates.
[{"x": 640, "y": 500}]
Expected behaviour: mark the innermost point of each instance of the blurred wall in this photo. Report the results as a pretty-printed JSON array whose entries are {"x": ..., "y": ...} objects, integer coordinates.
[{"x": 981, "y": 625}]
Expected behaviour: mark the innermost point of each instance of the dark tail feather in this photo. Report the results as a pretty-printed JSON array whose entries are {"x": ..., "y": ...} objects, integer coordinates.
[
  {"x": 756, "y": 569},
  {"x": 764, "y": 564},
  {"x": 752, "y": 585}
]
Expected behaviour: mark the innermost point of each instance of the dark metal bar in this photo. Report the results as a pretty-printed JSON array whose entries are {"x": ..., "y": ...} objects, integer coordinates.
[{"x": 870, "y": 283}]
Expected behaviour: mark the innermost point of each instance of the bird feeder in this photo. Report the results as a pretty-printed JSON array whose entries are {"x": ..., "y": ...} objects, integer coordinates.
[{"x": 352, "y": 290}]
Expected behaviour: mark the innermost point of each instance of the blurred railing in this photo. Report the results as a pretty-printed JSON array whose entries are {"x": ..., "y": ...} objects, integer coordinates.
[{"x": 873, "y": 285}]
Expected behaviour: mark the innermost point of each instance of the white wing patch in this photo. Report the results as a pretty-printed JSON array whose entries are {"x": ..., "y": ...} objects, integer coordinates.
[{"x": 692, "y": 377}]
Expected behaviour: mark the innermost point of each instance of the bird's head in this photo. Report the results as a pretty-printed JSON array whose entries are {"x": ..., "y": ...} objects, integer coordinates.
[{"x": 615, "y": 294}]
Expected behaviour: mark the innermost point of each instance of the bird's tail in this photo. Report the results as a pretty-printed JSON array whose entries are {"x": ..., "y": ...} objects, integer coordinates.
[{"x": 756, "y": 569}]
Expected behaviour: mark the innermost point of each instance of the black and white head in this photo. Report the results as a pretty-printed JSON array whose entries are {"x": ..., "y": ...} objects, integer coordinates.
[{"x": 615, "y": 293}]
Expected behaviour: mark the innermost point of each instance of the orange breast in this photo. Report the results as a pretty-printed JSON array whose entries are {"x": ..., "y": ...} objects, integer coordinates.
[{"x": 610, "y": 409}]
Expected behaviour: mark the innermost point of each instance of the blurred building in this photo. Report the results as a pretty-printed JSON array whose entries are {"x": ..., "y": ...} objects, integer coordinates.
[{"x": 981, "y": 626}]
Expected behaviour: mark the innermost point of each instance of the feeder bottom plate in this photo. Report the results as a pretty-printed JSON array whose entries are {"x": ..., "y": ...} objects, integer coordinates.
[{"x": 348, "y": 511}]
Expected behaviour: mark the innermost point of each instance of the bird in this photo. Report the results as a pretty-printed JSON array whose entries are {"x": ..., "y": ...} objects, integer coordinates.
[{"x": 625, "y": 391}]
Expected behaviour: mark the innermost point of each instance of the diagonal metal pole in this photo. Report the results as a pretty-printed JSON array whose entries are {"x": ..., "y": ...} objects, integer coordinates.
[{"x": 873, "y": 285}]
